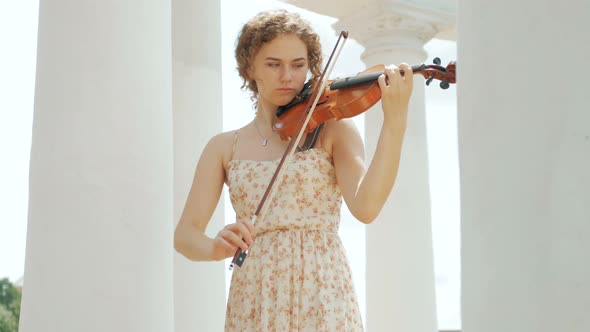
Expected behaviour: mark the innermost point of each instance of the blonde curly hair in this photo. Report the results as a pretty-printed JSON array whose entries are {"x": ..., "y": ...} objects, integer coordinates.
[{"x": 266, "y": 26}]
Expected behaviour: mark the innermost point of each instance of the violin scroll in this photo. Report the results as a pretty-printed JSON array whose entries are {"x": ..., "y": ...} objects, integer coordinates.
[{"x": 446, "y": 75}]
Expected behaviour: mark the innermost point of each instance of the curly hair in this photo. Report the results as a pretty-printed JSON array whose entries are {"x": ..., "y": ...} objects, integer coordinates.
[{"x": 266, "y": 26}]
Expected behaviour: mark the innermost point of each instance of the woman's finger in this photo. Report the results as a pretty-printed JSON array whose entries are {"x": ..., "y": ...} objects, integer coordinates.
[
  {"x": 244, "y": 232},
  {"x": 234, "y": 237},
  {"x": 381, "y": 80},
  {"x": 408, "y": 74},
  {"x": 250, "y": 228},
  {"x": 394, "y": 76},
  {"x": 227, "y": 245}
]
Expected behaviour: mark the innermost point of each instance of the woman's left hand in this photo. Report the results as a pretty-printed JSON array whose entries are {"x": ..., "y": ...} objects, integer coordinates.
[{"x": 395, "y": 93}]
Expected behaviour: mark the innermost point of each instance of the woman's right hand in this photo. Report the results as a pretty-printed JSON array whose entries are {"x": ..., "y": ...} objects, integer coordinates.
[{"x": 230, "y": 238}]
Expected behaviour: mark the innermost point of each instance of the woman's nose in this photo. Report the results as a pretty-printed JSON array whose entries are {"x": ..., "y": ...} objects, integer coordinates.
[{"x": 286, "y": 74}]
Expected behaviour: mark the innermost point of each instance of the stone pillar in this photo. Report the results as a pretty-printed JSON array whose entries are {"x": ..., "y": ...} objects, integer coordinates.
[
  {"x": 524, "y": 133},
  {"x": 400, "y": 269},
  {"x": 199, "y": 288},
  {"x": 99, "y": 240}
]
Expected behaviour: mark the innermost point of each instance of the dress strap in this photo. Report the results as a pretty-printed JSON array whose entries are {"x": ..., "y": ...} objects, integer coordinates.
[{"x": 233, "y": 148}]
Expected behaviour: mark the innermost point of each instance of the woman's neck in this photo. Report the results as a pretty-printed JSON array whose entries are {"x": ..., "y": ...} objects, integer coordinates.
[{"x": 266, "y": 113}]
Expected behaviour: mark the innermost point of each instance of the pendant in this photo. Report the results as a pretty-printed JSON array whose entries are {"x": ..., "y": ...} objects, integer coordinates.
[{"x": 264, "y": 142}]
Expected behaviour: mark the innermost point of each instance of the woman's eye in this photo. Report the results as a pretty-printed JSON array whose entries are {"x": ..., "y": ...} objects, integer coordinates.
[{"x": 273, "y": 65}]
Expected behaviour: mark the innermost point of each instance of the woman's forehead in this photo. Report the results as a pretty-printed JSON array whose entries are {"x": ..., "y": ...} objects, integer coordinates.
[{"x": 287, "y": 47}]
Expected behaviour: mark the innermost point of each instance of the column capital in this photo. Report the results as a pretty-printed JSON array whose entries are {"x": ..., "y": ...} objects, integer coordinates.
[
  {"x": 389, "y": 34},
  {"x": 391, "y": 31}
]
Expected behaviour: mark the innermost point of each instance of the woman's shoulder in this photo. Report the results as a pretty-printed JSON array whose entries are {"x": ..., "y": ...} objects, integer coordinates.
[
  {"x": 346, "y": 124},
  {"x": 224, "y": 137},
  {"x": 222, "y": 144},
  {"x": 339, "y": 131}
]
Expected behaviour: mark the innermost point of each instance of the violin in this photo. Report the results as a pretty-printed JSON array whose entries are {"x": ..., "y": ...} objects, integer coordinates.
[{"x": 350, "y": 96}]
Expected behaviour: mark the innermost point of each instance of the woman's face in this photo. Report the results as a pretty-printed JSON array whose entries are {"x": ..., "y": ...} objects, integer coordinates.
[{"x": 280, "y": 69}]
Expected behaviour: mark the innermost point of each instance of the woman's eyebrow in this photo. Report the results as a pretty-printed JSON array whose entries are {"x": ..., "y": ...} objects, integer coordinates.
[{"x": 277, "y": 59}]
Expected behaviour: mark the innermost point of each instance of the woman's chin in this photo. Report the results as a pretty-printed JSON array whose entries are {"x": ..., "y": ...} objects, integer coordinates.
[{"x": 284, "y": 100}]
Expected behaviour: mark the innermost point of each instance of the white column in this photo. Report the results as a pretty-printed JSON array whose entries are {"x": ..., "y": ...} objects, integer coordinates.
[
  {"x": 400, "y": 269},
  {"x": 199, "y": 288},
  {"x": 524, "y": 131},
  {"x": 99, "y": 240}
]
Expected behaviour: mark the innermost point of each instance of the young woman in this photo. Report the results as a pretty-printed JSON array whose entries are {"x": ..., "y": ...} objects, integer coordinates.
[{"x": 296, "y": 276}]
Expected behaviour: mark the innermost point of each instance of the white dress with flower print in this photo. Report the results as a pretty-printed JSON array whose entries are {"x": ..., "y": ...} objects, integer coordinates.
[{"x": 296, "y": 276}]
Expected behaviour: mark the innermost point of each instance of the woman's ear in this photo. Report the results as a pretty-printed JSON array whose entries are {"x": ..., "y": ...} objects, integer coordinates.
[{"x": 250, "y": 73}]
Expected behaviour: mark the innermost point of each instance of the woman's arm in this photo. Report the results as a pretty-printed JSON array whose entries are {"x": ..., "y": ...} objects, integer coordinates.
[
  {"x": 189, "y": 237},
  {"x": 366, "y": 190}
]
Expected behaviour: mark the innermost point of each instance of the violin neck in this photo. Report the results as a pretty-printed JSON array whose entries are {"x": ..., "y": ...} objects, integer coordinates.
[{"x": 361, "y": 79}]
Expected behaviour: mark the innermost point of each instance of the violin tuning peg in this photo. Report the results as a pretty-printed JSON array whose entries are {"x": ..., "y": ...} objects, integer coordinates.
[
  {"x": 436, "y": 61},
  {"x": 429, "y": 80},
  {"x": 444, "y": 85}
]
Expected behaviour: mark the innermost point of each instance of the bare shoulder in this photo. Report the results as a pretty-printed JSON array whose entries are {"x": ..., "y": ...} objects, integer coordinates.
[
  {"x": 220, "y": 146},
  {"x": 340, "y": 132}
]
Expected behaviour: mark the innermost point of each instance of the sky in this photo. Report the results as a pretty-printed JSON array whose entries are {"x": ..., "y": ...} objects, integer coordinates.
[
  {"x": 17, "y": 68},
  {"x": 18, "y": 34}
]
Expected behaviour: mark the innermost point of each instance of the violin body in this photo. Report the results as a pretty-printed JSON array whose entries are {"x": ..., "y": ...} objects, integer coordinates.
[{"x": 333, "y": 104}]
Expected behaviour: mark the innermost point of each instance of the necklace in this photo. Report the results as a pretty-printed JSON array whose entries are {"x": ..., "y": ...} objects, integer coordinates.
[{"x": 264, "y": 141}]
